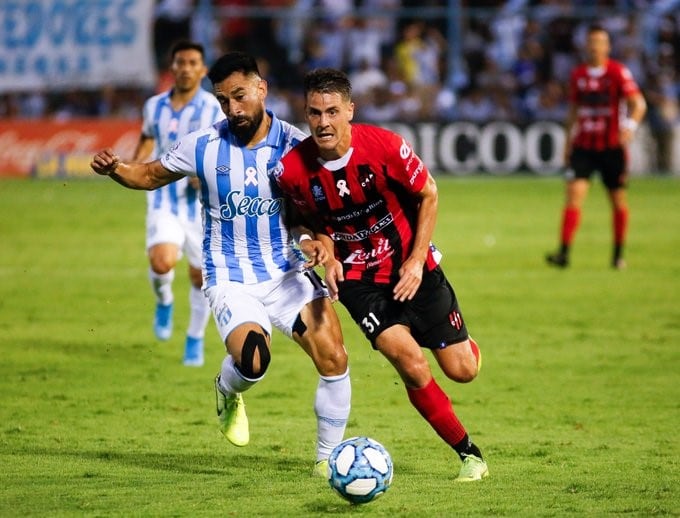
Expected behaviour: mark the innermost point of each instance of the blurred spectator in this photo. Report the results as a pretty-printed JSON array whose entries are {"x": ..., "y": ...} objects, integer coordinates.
[
  {"x": 474, "y": 105},
  {"x": 172, "y": 22},
  {"x": 663, "y": 115}
]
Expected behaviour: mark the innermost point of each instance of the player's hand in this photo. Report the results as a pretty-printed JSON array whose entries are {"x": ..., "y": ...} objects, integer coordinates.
[
  {"x": 626, "y": 136},
  {"x": 314, "y": 251},
  {"x": 195, "y": 182},
  {"x": 411, "y": 275},
  {"x": 334, "y": 275},
  {"x": 105, "y": 162}
]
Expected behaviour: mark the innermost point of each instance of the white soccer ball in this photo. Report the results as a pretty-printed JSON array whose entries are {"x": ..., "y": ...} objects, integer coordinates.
[{"x": 360, "y": 469}]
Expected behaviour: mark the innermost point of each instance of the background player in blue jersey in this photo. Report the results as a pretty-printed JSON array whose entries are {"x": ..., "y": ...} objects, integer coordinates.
[
  {"x": 173, "y": 216},
  {"x": 254, "y": 277}
]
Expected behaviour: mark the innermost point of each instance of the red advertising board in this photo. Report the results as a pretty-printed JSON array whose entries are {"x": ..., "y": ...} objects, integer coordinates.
[{"x": 47, "y": 148}]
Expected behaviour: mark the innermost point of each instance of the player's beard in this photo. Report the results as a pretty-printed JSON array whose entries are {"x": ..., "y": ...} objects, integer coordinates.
[{"x": 245, "y": 132}]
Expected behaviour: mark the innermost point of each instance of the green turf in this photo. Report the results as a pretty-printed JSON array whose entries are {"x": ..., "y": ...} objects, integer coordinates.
[{"x": 576, "y": 407}]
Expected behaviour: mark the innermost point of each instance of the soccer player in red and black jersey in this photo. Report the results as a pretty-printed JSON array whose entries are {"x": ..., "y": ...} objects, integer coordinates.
[
  {"x": 605, "y": 108},
  {"x": 372, "y": 201}
]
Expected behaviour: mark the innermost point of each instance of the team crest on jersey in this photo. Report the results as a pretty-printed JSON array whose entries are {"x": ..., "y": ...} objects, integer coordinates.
[
  {"x": 366, "y": 177},
  {"x": 276, "y": 171},
  {"x": 318, "y": 194}
]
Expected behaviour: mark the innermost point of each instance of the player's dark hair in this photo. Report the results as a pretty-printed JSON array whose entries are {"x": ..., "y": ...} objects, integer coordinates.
[
  {"x": 328, "y": 81},
  {"x": 596, "y": 27},
  {"x": 231, "y": 62},
  {"x": 181, "y": 45}
]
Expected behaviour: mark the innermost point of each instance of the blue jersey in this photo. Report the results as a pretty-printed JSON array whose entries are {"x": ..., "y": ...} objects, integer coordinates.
[
  {"x": 245, "y": 239},
  {"x": 165, "y": 125}
]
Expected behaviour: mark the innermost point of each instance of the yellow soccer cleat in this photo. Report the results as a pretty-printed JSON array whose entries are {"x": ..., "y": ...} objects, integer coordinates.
[
  {"x": 231, "y": 414},
  {"x": 473, "y": 469},
  {"x": 321, "y": 469}
]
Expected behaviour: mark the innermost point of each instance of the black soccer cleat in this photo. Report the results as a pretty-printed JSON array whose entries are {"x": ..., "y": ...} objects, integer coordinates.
[{"x": 557, "y": 259}]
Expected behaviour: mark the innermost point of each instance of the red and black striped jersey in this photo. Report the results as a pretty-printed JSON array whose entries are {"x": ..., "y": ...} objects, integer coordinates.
[
  {"x": 366, "y": 200},
  {"x": 598, "y": 94}
]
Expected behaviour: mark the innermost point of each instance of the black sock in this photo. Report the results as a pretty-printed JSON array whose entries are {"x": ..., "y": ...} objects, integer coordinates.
[
  {"x": 466, "y": 448},
  {"x": 618, "y": 252}
]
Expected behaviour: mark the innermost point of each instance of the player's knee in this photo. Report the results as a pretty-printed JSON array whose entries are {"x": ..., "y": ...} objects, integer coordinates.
[
  {"x": 255, "y": 356},
  {"x": 161, "y": 265},
  {"x": 466, "y": 363}
]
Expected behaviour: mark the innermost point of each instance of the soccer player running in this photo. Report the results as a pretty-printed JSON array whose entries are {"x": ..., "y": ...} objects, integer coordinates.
[
  {"x": 375, "y": 204},
  {"x": 598, "y": 133},
  {"x": 173, "y": 214},
  {"x": 253, "y": 276}
]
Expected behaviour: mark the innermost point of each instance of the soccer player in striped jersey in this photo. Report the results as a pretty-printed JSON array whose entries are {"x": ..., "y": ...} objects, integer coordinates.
[
  {"x": 605, "y": 108},
  {"x": 375, "y": 205},
  {"x": 173, "y": 215},
  {"x": 253, "y": 275}
]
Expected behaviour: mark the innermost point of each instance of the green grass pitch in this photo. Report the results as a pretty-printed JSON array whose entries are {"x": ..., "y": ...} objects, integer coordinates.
[{"x": 576, "y": 407}]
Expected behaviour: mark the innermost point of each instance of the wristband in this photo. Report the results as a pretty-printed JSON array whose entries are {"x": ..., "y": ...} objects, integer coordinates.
[
  {"x": 304, "y": 237},
  {"x": 630, "y": 124}
]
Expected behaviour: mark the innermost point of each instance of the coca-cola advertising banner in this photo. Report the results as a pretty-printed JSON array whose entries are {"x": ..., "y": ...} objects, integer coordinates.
[
  {"x": 47, "y": 148},
  {"x": 58, "y": 44}
]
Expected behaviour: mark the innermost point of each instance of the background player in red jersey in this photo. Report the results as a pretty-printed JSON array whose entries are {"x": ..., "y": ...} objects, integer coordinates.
[
  {"x": 374, "y": 204},
  {"x": 598, "y": 132}
]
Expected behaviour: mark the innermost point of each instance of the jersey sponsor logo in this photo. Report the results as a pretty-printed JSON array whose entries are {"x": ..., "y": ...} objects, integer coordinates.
[
  {"x": 404, "y": 150},
  {"x": 237, "y": 205},
  {"x": 415, "y": 173},
  {"x": 363, "y": 234},
  {"x": 357, "y": 212},
  {"x": 373, "y": 257}
]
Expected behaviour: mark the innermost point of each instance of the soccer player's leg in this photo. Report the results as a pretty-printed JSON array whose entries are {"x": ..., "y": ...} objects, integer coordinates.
[
  {"x": 439, "y": 326},
  {"x": 577, "y": 186},
  {"x": 615, "y": 177},
  {"x": 164, "y": 238},
  {"x": 162, "y": 260},
  {"x": 199, "y": 309},
  {"x": 317, "y": 330},
  {"x": 244, "y": 326}
]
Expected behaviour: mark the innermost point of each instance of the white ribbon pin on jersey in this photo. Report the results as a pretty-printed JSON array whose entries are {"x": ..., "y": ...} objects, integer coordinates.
[
  {"x": 251, "y": 176},
  {"x": 342, "y": 187}
]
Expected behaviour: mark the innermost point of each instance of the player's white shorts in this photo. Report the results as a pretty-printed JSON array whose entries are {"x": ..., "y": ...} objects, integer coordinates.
[
  {"x": 276, "y": 302},
  {"x": 165, "y": 227}
]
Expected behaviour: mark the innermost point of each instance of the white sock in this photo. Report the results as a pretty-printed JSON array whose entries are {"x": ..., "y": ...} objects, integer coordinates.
[
  {"x": 331, "y": 406},
  {"x": 200, "y": 313},
  {"x": 231, "y": 380},
  {"x": 161, "y": 284}
]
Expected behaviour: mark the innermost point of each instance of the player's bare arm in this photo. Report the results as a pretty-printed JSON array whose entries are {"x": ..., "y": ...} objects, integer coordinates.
[
  {"x": 133, "y": 175},
  {"x": 144, "y": 148},
  {"x": 411, "y": 272},
  {"x": 637, "y": 107}
]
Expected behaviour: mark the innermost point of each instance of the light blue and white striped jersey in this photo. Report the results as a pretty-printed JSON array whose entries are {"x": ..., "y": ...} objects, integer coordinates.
[
  {"x": 166, "y": 126},
  {"x": 245, "y": 238}
]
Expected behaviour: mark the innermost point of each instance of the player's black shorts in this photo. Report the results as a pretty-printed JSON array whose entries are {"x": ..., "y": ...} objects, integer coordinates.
[
  {"x": 433, "y": 315},
  {"x": 611, "y": 163}
]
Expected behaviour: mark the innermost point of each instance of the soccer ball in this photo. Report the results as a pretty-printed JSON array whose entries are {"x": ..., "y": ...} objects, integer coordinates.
[{"x": 360, "y": 469}]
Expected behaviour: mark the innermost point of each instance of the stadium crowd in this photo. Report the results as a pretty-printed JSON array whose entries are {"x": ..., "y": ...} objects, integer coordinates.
[{"x": 515, "y": 57}]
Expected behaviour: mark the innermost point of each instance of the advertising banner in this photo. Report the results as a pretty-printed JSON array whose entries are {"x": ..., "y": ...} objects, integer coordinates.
[
  {"x": 45, "y": 148},
  {"x": 49, "y": 149},
  {"x": 59, "y": 44}
]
